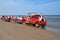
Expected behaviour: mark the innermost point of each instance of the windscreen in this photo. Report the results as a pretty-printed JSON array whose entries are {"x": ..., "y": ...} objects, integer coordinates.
[{"x": 37, "y": 16}]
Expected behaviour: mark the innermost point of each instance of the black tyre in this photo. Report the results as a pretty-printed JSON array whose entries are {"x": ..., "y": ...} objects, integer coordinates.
[
  {"x": 33, "y": 24},
  {"x": 37, "y": 25},
  {"x": 20, "y": 23}
]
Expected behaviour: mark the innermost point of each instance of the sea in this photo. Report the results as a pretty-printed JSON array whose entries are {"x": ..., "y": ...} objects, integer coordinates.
[
  {"x": 54, "y": 19},
  {"x": 53, "y": 23}
]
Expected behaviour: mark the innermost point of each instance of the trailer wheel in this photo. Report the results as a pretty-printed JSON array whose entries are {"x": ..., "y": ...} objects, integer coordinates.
[
  {"x": 33, "y": 24},
  {"x": 37, "y": 25}
]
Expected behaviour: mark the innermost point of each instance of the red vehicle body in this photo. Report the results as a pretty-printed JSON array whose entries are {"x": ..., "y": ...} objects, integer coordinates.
[
  {"x": 23, "y": 20},
  {"x": 37, "y": 20}
]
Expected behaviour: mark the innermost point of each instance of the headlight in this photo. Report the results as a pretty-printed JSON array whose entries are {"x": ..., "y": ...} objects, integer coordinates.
[{"x": 41, "y": 19}]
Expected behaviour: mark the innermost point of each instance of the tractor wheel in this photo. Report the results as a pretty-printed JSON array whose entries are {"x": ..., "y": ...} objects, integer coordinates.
[{"x": 37, "y": 25}]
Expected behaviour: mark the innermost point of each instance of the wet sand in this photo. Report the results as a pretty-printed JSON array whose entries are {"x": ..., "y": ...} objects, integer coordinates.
[{"x": 14, "y": 31}]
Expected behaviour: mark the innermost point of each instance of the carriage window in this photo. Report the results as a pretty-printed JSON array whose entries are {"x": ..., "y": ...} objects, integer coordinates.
[{"x": 31, "y": 16}]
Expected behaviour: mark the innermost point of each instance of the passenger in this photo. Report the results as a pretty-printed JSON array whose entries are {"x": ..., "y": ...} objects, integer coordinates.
[
  {"x": 9, "y": 18},
  {"x": 15, "y": 19},
  {"x": 20, "y": 19},
  {"x": 12, "y": 19},
  {"x": 6, "y": 19},
  {"x": 23, "y": 20},
  {"x": 27, "y": 20},
  {"x": 3, "y": 18}
]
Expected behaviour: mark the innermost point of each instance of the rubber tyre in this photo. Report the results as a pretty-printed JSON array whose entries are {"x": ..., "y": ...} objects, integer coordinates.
[
  {"x": 33, "y": 24},
  {"x": 21, "y": 23},
  {"x": 37, "y": 25}
]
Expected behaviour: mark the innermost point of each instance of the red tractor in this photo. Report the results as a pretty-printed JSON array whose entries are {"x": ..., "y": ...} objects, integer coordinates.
[{"x": 37, "y": 20}]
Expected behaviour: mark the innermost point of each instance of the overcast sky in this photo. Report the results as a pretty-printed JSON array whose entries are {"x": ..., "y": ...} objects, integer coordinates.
[{"x": 23, "y": 7}]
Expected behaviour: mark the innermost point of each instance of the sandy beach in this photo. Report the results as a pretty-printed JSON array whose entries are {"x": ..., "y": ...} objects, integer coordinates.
[{"x": 14, "y": 31}]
